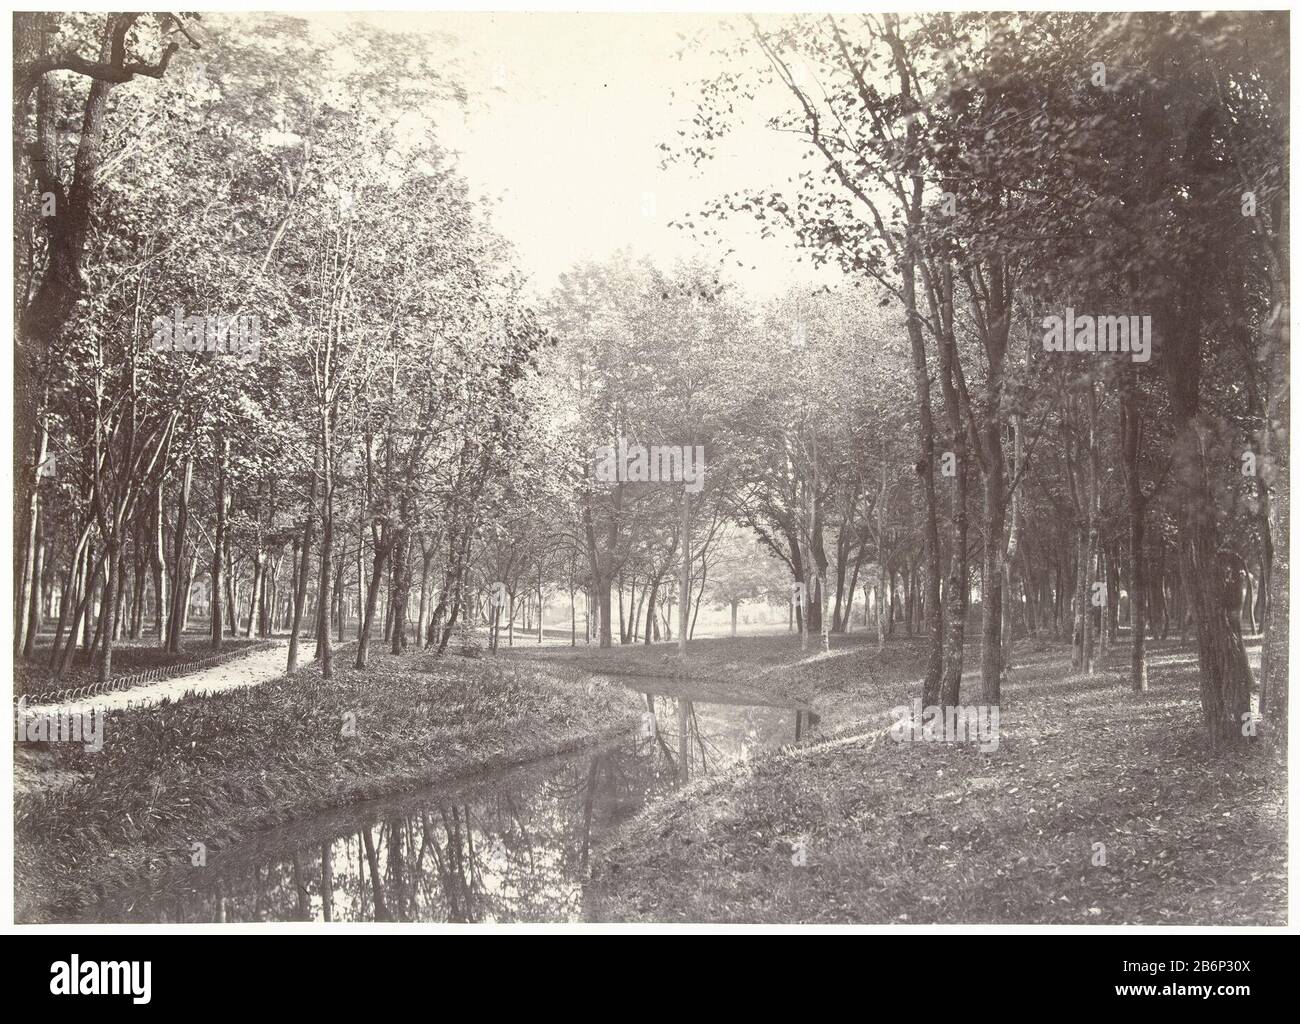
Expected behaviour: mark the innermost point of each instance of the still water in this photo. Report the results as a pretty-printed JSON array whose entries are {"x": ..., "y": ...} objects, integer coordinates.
[{"x": 505, "y": 846}]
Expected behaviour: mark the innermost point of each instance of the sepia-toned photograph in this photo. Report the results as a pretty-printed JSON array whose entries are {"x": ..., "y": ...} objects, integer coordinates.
[{"x": 663, "y": 468}]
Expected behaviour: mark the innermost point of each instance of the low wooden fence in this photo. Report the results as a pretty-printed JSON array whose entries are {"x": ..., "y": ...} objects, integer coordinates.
[{"x": 59, "y": 694}]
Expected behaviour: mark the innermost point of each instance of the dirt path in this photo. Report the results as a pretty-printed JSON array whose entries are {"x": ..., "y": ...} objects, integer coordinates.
[
  {"x": 32, "y": 770},
  {"x": 249, "y": 670}
]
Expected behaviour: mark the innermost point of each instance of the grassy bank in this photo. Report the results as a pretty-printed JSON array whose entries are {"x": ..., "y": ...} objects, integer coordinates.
[
  {"x": 936, "y": 832},
  {"x": 215, "y": 769},
  {"x": 847, "y": 685}
]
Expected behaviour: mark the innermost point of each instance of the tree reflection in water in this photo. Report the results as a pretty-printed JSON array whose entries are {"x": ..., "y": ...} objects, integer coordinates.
[{"x": 513, "y": 846}]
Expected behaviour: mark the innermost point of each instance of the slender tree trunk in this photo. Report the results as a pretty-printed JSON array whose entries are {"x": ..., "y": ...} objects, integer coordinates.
[
  {"x": 1093, "y": 544},
  {"x": 327, "y": 545},
  {"x": 426, "y": 563},
  {"x": 254, "y": 596},
  {"x": 219, "y": 544},
  {"x": 382, "y": 546},
  {"x": 107, "y": 621},
  {"x": 158, "y": 556},
  {"x": 932, "y": 683},
  {"x": 138, "y": 586},
  {"x": 957, "y": 585},
  {"x": 29, "y": 571},
  {"x": 68, "y": 598},
  {"x": 1009, "y": 597},
  {"x": 683, "y": 630},
  {"x": 88, "y": 592},
  {"x": 1274, "y": 685},
  {"x": 180, "y": 596},
  {"x": 33, "y": 624},
  {"x": 539, "y": 605},
  {"x": 232, "y": 608},
  {"x": 882, "y": 561},
  {"x": 300, "y": 577},
  {"x": 82, "y": 611},
  {"x": 402, "y": 595}
]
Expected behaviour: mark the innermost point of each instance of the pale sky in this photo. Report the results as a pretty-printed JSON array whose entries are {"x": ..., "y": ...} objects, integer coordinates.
[{"x": 563, "y": 127}]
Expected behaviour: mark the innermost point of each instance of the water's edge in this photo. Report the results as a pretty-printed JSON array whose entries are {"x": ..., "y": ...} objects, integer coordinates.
[{"x": 505, "y": 844}]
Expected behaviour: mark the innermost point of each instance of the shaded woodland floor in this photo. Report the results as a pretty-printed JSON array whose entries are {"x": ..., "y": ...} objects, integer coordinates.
[
  {"x": 938, "y": 832},
  {"x": 847, "y": 826}
]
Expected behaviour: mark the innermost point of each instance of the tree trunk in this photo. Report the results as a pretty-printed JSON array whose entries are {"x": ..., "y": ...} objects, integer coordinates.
[
  {"x": 382, "y": 547},
  {"x": 180, "y": 595},
  {"x": 1213, "y": 590},
  {"x": 33, "y": 623},
  {"x": 402, "y": 594},
  {"x": 326, "y": 547},
  {"x": 218, "y": 548},
  {"x": 931, "y": 685},
  {"x": 157, "y": 554},
  {"x": 107, "y": 621},
  {"x": 683, "y": 628},
  {"x": 300, "y": 577}
]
